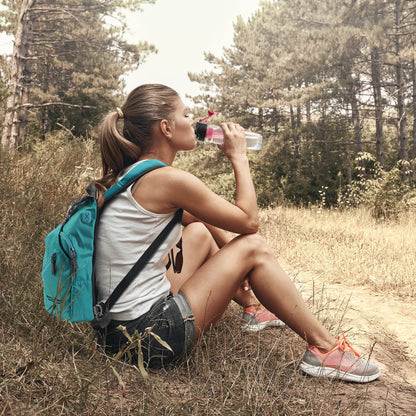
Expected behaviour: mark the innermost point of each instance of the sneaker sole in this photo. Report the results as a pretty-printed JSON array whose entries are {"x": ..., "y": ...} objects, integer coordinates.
[
  {"x": 262, "y": 325},
  {"x": 329, "y": 372}
]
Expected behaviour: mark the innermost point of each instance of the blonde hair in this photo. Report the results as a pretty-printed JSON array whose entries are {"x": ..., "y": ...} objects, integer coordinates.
[{"x": 143, "y": 108}]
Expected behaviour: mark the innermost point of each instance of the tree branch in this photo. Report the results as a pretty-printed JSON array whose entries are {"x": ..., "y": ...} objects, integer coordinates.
[
  {"x": 68, "y": 131},
  {"x": 29, "y": 105}
]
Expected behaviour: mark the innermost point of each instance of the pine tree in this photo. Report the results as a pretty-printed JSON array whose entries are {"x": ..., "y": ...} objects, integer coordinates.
[
  {"x": 17, "y": 114},
  {"x": 325, "y": 75},
  {"x": 67, "y": 63}
]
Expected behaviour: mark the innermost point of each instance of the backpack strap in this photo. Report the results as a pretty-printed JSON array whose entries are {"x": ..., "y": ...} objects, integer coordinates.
[
  {"x": 131, "y": 176},
  {"x": 101, "y": 310}
]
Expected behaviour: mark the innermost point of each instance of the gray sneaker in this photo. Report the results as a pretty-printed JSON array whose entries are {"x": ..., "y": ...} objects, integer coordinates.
[
  {"x": 342, "y": 362},
  {"x": 256, "y": 321}
]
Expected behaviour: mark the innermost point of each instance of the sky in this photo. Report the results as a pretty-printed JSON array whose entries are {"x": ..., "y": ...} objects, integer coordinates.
[{"x": 181, "y": 30}]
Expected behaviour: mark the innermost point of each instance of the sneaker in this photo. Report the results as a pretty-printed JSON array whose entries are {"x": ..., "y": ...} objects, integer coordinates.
[
  {"x": 342, "y": 362},
  {"x": 256, "y": 321}
]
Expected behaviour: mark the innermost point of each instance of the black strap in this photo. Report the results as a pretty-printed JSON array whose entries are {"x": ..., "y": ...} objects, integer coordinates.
[
  {"x": 146, "y": 256},
  {"x": 101, "y": 310}
]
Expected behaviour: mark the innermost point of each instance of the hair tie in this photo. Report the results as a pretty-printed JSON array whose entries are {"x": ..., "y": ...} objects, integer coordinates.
[{"x": 120, "y": 112}]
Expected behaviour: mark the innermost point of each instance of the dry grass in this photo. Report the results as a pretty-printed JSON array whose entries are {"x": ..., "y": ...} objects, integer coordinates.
[
  {"x": 49, "y": 367},
  {"x": 225, "y": 374},
  {"x": 349, "y": 246}
]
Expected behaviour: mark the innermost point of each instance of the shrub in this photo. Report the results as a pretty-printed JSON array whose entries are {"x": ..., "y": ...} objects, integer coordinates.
[{"x": 387, "y": 194}]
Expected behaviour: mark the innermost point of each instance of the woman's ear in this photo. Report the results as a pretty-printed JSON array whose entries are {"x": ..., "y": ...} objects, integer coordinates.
[{"x": 166, "y": 128}]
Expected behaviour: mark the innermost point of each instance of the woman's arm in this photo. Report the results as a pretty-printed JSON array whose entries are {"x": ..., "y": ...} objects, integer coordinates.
[
  {"x": 235, "y": 149},
  {"x": 167, "y": 189},
  {"x": 188, "y": 192},
  {"x": 220, "y": 236}
]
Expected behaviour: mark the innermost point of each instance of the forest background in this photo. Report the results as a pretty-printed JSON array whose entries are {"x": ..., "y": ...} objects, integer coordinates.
[{"x": 331, "y": 86}]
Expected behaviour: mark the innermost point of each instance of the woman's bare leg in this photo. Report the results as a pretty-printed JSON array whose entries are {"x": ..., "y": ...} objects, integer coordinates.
[
  {"x": 210, "y": 289},
  {"x": 198, "y": 246}
]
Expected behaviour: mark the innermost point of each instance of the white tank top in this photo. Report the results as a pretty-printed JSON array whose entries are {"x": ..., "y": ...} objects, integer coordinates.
[{"x": 125, "y": 231}]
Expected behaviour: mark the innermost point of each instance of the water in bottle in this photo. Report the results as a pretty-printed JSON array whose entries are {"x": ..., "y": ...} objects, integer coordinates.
[{"x": 209, "y": 133}]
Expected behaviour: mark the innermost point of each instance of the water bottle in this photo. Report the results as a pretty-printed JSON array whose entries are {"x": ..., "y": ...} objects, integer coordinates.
[{"x": 208, "y": 133}]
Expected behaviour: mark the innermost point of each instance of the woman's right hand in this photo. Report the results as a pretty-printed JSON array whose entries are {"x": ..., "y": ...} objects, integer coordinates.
[{"x": 234, "y": 141}]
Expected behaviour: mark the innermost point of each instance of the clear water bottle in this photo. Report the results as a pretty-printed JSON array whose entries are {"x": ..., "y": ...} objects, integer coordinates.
[{"x": 208, "y": 133}]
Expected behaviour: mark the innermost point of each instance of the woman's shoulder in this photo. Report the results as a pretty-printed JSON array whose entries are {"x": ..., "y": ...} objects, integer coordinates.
[
  {"x": 172, "y": 175},
  {"x": 161, "y": 190}
]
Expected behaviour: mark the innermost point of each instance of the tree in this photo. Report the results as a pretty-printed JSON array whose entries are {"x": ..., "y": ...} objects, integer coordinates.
[
  {"x": 16, "y": 114},
  {"x": 326, "y": 76},
  {"x": 377, "y": 26},
  {"x": 276, "y": 69},
  {"x": 67, "y": 63},
  {"x": 400, "y": 80},
  {"x": 378, "y": 103},
  {"x": 400, "y": 52}
]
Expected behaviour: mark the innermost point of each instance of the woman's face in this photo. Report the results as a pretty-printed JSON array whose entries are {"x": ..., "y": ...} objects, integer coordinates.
[{"x": 183, "y": 133}]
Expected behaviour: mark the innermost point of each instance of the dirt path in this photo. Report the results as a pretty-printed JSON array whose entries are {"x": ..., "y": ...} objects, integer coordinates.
[{"x": 378, "y": 323}]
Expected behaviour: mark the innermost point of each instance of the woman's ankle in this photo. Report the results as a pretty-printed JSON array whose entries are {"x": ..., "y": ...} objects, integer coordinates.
[
  {"x": 326, "y": 346},
  {"x": 257, "y": 306}
]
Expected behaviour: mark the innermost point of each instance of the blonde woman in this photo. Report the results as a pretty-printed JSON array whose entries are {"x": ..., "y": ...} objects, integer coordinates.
[{"x": 180, "y": 307}]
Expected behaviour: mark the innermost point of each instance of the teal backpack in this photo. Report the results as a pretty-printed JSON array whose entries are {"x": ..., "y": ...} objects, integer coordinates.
[{"x": 68, "y": 264}]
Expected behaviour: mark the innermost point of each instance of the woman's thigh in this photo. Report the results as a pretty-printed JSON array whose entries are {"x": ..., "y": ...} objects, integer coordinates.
[
  {"x": 197, "y": 246},
  {"x": 213, "y": 285}
]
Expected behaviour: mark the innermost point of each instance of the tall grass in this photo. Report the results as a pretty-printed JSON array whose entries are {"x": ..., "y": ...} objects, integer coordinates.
[
  {"x": 50, "y": 367},
  {"x": 348, "y": 247}
]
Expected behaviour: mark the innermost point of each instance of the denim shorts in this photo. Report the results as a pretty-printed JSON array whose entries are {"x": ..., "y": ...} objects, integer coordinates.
[{"x": 170, "y": 318}]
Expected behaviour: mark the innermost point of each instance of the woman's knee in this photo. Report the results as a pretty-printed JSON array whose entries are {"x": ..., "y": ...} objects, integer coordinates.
[
  {"x": 197, "y": 231},
  {"x": 197, "y": 235},
  {"x": 254, "y": 246}
]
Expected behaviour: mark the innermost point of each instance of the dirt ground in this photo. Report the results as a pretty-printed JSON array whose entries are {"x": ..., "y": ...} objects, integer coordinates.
[{"x": 378, "y": 324}]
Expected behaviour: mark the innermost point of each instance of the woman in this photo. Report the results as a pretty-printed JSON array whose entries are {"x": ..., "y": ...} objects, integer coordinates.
[{"x": 157, "y": 126}]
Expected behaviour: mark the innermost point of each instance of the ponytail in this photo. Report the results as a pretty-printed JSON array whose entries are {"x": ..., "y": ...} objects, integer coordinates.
[
  {"x": 144, "y": 106},
  {"x": 116, "y": 154}
]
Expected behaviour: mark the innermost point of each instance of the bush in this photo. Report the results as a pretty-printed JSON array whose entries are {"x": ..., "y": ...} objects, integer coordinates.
[{"x": 387, "y": 195}]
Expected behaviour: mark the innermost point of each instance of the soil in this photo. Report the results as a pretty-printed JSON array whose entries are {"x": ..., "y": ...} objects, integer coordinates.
[{"x": 376, "y": 323}]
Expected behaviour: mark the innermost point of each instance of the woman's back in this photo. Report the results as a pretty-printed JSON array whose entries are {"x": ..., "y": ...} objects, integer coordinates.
[{"x": 126, "y": 229}]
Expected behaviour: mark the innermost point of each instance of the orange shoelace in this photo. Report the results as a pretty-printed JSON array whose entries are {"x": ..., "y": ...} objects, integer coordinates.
[{"x": 345, "y": 346}]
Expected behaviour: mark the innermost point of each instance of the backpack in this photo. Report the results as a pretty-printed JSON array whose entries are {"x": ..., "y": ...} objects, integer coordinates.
[{"x": 68, "y": 265}]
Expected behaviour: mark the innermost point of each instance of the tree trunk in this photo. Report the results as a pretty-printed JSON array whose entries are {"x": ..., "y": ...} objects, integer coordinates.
[
  {"x": 15, "y": 120},
  {"x": 401, "y": 114},
  {"x": 348, "y": 162},
  {"x": 275, "y": 116},
  {"x": 378, "y": 106},
  {"x": 348, "y": 154},
  {"x": 261, "y": 119},
  {"x": 295, "y": 130},
  {"x": 401, "y": 110},
  {"x": 44, "y": 112},
  {"x": 292, "y": 118},
  {"x": 298, "y": 116},
  {"x": 356, "y": 119},
  {"x": 414, "y": 108},
  {"x": 413, "y": 153}
]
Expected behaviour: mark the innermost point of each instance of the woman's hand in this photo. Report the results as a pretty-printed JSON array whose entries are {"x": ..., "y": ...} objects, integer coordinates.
[
  {"x": 246, "y": 284},
  {"x": 234, "y": 141}
]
